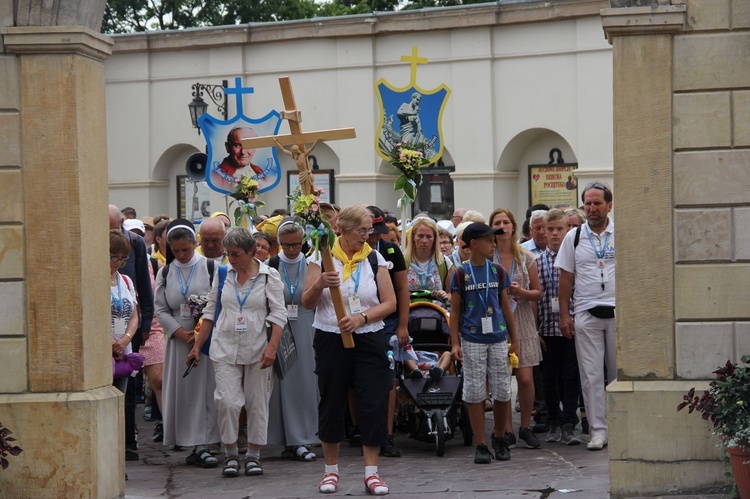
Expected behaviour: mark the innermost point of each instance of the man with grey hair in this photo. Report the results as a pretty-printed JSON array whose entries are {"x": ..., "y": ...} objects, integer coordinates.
[
  {"x": 211, "y": 240},
  {"x": 458, "y": 216},
  {"x": 538, "y": 242},
  {"x": 590, "y": 265}
]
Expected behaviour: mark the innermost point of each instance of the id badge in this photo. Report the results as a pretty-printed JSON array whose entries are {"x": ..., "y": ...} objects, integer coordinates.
[
  {"x": 240, "y": 324},
  {"x": 291, "y": 311},
  {"x": 487, "y": 325},
  {"x": 185, "y": 311},
  {"x": 604, "y": 274},
  {"x": 120, "y": 326},
  {"x": 355, "y": 307},
  {"x": 555, "y": 305}
]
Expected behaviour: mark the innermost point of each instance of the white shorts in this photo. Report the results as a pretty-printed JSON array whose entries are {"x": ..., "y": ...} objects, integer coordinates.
[{"x": 483, "y": 361}]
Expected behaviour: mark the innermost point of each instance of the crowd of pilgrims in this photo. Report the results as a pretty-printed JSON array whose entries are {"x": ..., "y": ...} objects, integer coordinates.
[{"x": 165, "y": 273}]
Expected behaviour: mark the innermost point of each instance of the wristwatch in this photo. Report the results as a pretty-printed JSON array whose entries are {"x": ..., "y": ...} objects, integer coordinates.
[{"x": 364, "y": 315}]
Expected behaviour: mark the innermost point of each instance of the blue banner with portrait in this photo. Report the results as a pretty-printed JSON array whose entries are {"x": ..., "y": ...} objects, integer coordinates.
[{"x": 228, "y": 161}]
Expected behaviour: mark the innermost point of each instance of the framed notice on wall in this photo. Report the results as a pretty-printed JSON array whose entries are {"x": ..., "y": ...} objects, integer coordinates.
[
  {"x": 553, "y": 184},
  {"x": 322, "y": 178},
  {"x": 193, "y": 199}
]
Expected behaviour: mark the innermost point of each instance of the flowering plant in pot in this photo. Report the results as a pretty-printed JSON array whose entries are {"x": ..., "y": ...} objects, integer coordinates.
[{"x": 726, "y": 404}]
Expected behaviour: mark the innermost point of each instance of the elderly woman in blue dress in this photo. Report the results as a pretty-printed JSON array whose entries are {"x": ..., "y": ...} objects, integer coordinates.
[
  {"x": 188, "y": 412},
  {"x": 294, "y": 417},
  {"x": 241, "y": 352}
]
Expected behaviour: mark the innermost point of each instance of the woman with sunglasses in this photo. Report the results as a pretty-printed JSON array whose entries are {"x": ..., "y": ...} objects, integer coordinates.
[
  {"x": 368, "y": 298},
  {"x": 293, "y": 419},
  {"x": 123, "y": 320}
]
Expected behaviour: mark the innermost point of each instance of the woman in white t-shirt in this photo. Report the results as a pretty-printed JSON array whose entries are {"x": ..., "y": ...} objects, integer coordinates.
[
  {"x": 365, "y": 367},
  {"x": 123, "y": 319}
]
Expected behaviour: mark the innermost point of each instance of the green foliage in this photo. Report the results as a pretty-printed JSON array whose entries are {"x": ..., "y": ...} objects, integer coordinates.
[{"x": 126, "y": 16}]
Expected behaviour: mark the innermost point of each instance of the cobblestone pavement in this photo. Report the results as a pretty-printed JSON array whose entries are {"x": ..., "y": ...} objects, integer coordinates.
[{"x": 554, "y": 471}]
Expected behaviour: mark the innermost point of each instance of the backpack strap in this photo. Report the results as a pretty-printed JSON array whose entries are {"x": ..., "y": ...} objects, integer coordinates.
[
  {"x": 154, "y": 265},
  {"x": 373, "y": 259},
  {"x": 443, "y": 269},
  {"x": 165, "y": 272},
  {"x": 222, "y": 277},
  {"x": 126, "y": 280},
  {"x": 211, "y": 265},
  {"x": 577, "y": 238},
  {"x": 274, "y": 262}
]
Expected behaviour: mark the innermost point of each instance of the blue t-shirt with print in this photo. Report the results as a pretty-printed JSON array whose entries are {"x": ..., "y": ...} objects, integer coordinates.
[{"x": 477, "y": 301}]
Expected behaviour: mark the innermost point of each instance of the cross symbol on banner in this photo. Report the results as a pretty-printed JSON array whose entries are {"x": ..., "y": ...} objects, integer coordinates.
[
  {"x": 414, "y": 60},
  {"x": 238, "y": 91}
]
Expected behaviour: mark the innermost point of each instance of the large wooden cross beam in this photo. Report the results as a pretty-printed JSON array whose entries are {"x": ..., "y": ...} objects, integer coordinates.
[
  {"x": 297, "y": 139},
  {"x": 299, "y": 152}
]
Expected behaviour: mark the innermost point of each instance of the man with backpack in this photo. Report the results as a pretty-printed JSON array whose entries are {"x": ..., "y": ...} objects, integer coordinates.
[{"x": 587, "y": 257}]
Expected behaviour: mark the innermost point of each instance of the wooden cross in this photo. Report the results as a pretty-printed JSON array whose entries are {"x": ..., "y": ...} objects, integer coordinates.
[{"x": 298, "y": 140}]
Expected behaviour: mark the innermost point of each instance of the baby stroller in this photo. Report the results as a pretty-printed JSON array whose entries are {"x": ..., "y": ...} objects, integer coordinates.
[{"x": 431, "y": 409}]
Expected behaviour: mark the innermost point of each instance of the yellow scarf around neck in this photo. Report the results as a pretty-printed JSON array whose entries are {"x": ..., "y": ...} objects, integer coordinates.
[
  {"x": 349, "y": 265},
  {"x": 159, "y": 256}
]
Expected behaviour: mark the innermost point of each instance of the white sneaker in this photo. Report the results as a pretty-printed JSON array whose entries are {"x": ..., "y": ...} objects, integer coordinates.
[{"x": 598, "y": 442}]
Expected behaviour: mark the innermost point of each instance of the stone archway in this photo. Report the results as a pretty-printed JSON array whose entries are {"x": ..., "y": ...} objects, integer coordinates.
[{"x": 529, "y": 147}]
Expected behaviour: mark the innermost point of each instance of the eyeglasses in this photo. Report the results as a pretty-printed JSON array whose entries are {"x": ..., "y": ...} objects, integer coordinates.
[
  {"x": 600, "y": 187},
  {"x": 291, "y": 245},
  {"x": 235, "y": 254},
  {"x": 362, "y": 231},
  {"x": 119, "y": 259}
]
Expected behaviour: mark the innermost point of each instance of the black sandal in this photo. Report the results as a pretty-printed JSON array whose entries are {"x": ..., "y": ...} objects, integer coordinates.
[
  {"x": 304, "y": 456},
  {"x": 206, "y": 460}
]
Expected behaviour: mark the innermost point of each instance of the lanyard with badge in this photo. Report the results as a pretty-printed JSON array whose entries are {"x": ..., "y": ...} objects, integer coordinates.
[
  {"x": 118, "y": 321},
  {"x": 424, "y": 276},
  {"x": 184, "y": 289},
  {"x": 600, "y": 255},
  {"x": 487, "y": 319},
  {"x": 240, "y": 322},
  {"x": 554, "y": 301},
  {"x": 291, "y": 309},
  {"x": 355, "y": 306}
]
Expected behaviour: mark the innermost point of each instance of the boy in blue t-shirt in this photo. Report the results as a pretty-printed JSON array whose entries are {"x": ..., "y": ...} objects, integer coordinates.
[{"x": 481, "y": 312}]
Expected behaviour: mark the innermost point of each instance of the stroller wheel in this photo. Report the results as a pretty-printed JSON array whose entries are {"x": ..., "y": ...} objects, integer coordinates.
[
  {"x": 466, "y": 431},
  {"x": 438, "y": 426}
]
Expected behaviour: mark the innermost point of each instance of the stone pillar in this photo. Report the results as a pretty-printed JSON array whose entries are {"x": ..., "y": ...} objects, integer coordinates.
[
  {"x": 679, "y": 95},
  {"x": 55, "y": 387}
]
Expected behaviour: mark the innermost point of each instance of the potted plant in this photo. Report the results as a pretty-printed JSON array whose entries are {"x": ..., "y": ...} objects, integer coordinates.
[{"x": 726, "y": 404}]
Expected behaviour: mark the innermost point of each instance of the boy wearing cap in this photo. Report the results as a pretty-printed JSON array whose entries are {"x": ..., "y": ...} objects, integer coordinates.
[{"x": 480, "y": 311}]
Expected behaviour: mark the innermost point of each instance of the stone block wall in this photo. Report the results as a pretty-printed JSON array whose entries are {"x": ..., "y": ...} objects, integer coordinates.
[
  {"x": 711, "y": 134},
  {"x": 682, "y": 123}
]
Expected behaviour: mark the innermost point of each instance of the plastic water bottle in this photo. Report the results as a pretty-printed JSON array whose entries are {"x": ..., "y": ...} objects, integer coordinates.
[{"x": 391, "y": 361}]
